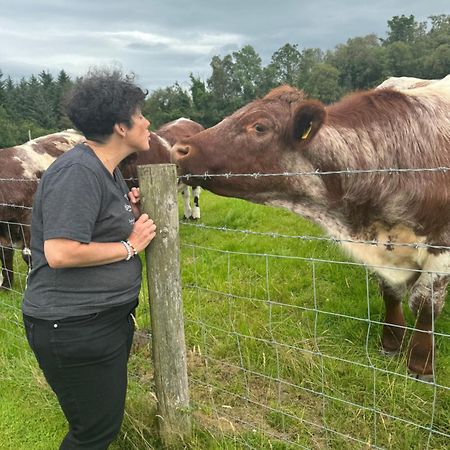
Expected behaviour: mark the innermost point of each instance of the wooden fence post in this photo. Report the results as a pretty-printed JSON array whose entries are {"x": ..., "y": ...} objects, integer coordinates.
[{"x": 159, "y": 199}]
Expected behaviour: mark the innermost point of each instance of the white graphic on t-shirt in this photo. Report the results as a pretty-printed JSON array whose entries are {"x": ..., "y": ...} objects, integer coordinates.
[{"x": 128, "y": 208}]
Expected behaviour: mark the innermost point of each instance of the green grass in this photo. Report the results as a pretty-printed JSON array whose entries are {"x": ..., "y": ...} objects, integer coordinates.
[{"x": 273, "y": 363}]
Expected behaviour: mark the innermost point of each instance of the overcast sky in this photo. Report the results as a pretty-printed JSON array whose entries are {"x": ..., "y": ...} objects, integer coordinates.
[{"x": 163, "y": 41}]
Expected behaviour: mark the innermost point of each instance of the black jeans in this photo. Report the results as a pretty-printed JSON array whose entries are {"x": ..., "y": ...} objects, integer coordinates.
[{"x": 84, "y": 360}]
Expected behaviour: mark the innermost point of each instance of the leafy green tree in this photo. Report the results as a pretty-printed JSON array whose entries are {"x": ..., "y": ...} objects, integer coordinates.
[
  {"x": 360, "y": 62},
  {"x": 323, "y": 83},
  {"x": 400, "y": 60},
  {"x": 222, "y": 84},
  {"x": 236, "y": 79},
  {"x": 15, "y": 132},
  {"x": 201, "y": 102},
  {"x": 268, "y": 80},
  {"x": 43, "y": 110},
  {"x": 63, "y": 78},
  {"x": 285, "y": 65},
  {"x": 223, "y": 87},
  {"x": 63, "y": 85},
  {"x": 25, "y": 98},
  {"x": 404, "y": 29},
  {"x": 165, "y": 105},
  {"x": 310, "y": 57},
  {"x": 246, "y": 73},
  {"x": 435, "y": 58},
  {"x": 46, "y": 80},
  {"x": 8, "y": 132},
  {"x": 437, "y": 64},
  {"x": 2, "y": 89},
  {"x": 440, "y": 30},
  {"x": 10, "y": 100}
]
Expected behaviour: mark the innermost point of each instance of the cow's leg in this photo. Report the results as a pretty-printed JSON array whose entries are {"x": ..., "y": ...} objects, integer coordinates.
[
  {"x": 426, "y": 302},
  {"x": 7, "y": 257},
  {"x": 196, "y": 210},
  {"x": 186, "y": 201},
  {"x": 394, "y": 321},
  {"x": 26, "y": 252}
]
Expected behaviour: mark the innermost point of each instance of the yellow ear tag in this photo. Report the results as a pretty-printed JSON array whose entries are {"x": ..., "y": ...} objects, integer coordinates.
[{"x": 307, "y": 131}]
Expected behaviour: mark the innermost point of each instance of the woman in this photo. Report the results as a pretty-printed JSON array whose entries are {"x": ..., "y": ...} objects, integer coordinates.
[{"x": 84, "y": 285}]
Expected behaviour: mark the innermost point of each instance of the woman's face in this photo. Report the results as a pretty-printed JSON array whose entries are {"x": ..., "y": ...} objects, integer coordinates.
[{"x": 138, "y": 136}]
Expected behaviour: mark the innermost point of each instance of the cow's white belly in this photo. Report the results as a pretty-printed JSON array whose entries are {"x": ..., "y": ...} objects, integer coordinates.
[
  {"x": 394, "y": 257},
  {"x": 396, "y": 264}
]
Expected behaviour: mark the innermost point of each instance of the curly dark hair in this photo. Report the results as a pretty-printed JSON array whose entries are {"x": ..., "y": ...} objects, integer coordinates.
[{"x": 101, "y": 99}]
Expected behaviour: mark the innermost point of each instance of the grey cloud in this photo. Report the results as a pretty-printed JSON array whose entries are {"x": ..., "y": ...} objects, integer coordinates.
[{"x": 163, "y": 42}]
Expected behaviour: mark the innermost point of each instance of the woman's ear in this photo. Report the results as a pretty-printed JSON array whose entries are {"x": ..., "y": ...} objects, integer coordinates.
[
  {"x": 307, "y": 120},
  {"x": 120, "y": 129}
]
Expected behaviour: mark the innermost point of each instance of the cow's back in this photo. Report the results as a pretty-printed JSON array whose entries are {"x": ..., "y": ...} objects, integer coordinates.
[
  {"x": 22, "y": 166},
  {"x": 179, "y": 130}
]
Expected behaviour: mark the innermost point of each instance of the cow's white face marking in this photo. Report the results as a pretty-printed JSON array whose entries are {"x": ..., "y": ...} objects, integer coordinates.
[{"x": 166, "y": 143}]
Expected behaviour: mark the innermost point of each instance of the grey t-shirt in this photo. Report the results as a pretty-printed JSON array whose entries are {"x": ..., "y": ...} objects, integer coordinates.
[{"x": 78, "y": 199}]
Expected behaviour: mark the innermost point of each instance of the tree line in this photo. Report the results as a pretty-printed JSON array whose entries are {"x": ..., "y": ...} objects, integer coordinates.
[{"x": 33, "y": 107}]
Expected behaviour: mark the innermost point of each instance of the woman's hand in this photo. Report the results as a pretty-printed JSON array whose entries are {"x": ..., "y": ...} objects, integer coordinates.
[
  {"x": 135, "y": 197},
  {"x": 144, "y": 230}
]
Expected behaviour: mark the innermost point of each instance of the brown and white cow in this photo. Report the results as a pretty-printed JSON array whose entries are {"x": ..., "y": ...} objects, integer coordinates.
[
  {"x": 20, "y": 169},
  {"x": 161, "y": 143},
  {"x": 378, "y": 129},
  {"x": 22, "y": 166},
  {"x": 403, "y": 83}
]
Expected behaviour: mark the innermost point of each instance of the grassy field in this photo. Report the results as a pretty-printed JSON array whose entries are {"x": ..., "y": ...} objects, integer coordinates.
[{"x": 283, "y": 350}]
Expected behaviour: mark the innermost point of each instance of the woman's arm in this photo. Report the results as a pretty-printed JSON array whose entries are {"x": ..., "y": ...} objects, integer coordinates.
[{"x": 65, "y": 253}]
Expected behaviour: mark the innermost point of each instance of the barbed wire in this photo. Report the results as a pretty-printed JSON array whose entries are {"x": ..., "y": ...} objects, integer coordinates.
[
  {"x": 33, "y": 180},
  {"x": 317, "y": 172},
  {"x": 12, "y": 205},
  {"x": 7, "y": 222}
]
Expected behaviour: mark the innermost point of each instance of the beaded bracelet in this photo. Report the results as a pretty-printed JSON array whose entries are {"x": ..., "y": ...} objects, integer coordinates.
[
  {"x": 129, "y": 248},
  {"x": 132, "y": 248}
]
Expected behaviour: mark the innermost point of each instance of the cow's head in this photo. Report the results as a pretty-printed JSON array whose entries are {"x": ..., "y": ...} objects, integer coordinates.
[{"x": 267, "y": 136}]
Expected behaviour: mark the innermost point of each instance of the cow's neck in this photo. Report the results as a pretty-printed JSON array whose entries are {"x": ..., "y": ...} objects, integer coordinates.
[{"x": 327, "y": 199}]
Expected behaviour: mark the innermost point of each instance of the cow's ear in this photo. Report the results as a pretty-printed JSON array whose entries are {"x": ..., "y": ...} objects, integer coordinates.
[{"x": 307, "y": 120}]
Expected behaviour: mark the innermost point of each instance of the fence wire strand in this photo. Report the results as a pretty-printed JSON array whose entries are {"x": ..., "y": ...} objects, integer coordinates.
[
  {"x": 210, "y": 329},
  {"x": 222, "y": 379}
]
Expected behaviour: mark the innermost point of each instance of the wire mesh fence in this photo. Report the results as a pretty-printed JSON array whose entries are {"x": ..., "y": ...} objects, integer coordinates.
[
  {"x": 297, "y": 368},
  {"x": 284, "y": 349}
]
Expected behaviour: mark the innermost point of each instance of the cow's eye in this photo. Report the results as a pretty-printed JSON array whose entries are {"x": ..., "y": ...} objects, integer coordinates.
[{"x": 260, "y": 128}]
